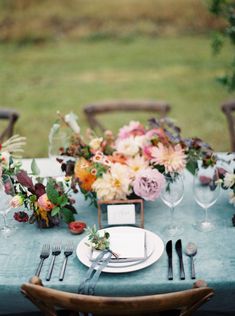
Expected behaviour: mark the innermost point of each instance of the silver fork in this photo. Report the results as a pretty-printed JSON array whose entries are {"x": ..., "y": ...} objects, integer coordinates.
[
  {"x": 45, "y": 252},
  {"x": 56, "y": 250},
  {"x": 67, "y": 252}
]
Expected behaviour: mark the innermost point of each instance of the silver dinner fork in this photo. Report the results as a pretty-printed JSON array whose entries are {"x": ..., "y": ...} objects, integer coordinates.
[
  {"x": 56, "y": 250},
  {"x": 67, "y": 252},
  {"x": 45, "y": 252}
]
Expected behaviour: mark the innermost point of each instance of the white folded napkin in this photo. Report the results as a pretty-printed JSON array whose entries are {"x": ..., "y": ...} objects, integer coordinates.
[{"x": 128, "y": 245}]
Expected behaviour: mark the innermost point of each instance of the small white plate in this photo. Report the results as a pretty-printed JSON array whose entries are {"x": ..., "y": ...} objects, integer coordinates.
[{"x": 155, "y": 248}]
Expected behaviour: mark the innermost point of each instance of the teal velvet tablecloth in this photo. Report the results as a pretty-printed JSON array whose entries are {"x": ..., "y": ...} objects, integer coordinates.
[{"x": 215, "y": 261}]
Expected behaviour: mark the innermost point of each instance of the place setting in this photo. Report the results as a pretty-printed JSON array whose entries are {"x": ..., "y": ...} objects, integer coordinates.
[{"x": 135, "y": 249}]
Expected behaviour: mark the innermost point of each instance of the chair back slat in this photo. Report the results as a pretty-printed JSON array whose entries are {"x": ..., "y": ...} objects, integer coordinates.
[
  {"x": 92, "y": 111},
  {"x": 182, "y": 303},
  {"x": 229, "y": 110},
  {"x": 10, "y": 116}
]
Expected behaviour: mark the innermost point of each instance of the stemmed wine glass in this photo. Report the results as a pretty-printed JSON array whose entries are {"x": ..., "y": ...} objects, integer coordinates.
[
  {"x": 58, "y": 141},
  {"x": 172, "y": 194},
  {"x": 6, "y": 193},
  {"x": 206, "y": 191}
]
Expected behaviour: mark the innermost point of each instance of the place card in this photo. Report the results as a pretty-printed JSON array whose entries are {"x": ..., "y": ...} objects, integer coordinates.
[
  {"x": 121, "y": 213},
  {"x": 128, "y": 245}
]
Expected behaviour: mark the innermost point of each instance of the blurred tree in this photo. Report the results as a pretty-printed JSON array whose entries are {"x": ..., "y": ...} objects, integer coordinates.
[{"x": 226, "y": 10}]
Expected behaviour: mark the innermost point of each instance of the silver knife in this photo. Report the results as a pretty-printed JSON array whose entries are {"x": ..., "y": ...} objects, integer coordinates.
[
  {"x": 169, "y": 253},
  {"x": 178, "y": 247}
]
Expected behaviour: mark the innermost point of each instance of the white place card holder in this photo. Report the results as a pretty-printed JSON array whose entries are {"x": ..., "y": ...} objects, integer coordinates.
[{"x": 121, "y": 213}]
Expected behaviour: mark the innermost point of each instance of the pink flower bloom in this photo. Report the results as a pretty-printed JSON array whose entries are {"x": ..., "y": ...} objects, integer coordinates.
[
  {"x": 172, "y": 158},
  {"x": 147, "y": 151},
  {"x": 133, "y": 129},
  {"x": 148, "y": 184},
  {"x": 45, "y": 203},
  {"x": 156, "y": 133},
  {"x": 16, "y": 201}
]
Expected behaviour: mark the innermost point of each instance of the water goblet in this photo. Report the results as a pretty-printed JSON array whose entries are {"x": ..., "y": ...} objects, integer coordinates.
[
  {"x": 206, "y": 191},
  {"x": 172, "y": 194},
  {"x": 58, "y": 141},
  {"x": 6, "y": 193}
]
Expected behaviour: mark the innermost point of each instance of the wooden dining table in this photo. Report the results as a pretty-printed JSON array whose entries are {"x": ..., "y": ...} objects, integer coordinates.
[{"x": 214, "y": 261}]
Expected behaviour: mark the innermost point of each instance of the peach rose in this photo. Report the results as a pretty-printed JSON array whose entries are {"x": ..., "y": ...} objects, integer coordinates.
[{"x": 45, "y": 203}]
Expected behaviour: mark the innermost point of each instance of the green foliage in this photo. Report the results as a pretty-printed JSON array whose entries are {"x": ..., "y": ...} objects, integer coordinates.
[
  {"x": 60, "y": 200},
  {"x": 98, "y": 240},
  {"x": 52, "y": 193},
  {"x": 34, "y": 167},
  {"x": 226, "y": 10}
]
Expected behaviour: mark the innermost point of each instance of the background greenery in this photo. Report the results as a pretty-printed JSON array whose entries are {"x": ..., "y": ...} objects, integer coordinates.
[{"x": 62, "y": 55}]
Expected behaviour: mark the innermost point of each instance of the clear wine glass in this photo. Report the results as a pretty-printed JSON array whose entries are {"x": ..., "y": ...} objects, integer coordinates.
[
  {"x": 58, "y": 141},
  {"x": 172, "y": 194},
  {"x": 206, "y": 192},
  {"x": 6, "y": 193}
]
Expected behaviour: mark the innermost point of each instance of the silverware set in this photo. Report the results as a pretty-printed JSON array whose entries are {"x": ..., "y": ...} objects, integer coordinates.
[
  {"x": 55, "y": 252},
  {"x": 191, "y": 250}
]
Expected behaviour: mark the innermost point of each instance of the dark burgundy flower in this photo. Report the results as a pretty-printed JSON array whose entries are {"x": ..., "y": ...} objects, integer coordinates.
[{"x": 21, "y": 216}]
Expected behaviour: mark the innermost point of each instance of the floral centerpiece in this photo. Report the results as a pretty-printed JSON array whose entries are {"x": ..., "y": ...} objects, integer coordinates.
[
  {"x": 44, "y": 203},
  {"x": 47, "y": 204},
  {"x": 134, "y": 162}
]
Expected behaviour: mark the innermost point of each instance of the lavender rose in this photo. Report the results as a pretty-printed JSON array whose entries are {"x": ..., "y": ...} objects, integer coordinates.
[{"x": 148, "y": 184}]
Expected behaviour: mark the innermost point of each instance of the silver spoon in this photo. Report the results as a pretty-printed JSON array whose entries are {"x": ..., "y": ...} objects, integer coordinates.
[{"x": 191, "y": 250}]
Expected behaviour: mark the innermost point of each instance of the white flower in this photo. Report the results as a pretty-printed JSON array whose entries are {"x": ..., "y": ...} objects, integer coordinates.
[
  {"x": 71, "y": 120},
  {"x": 127, "y": 146},
  {"x": 232, "y": 198},
  {"x": 229, "y": 180},
  {"x": 4, "y": 158},
  {"x": 114, "y": 184},
  {"x": 95, "y": 143},
  {"x": 136, "y": 164}
]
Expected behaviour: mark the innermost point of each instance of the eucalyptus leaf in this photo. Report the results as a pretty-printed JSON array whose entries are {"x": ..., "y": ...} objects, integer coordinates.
[{"x": 34, "y": 168}]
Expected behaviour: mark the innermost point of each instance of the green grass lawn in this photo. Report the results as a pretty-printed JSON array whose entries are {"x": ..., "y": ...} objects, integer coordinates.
[{"x": 63, "y": 75}]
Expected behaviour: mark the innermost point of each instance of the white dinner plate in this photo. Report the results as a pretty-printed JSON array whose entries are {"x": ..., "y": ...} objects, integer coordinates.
[{"x": 155, "y": 248}]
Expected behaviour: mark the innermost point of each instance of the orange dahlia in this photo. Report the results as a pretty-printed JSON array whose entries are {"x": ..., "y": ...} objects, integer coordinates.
[{"x": 82, "y": 172}]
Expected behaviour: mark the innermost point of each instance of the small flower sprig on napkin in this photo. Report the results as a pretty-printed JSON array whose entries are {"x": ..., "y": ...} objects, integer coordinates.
[{"x": 96, "y": 240}]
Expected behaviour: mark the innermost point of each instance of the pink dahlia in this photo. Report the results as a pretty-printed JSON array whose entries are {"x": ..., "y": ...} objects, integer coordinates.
[
  {"x": 148, "y": 184},
  {"x": 172, "y": 158},
  {"x": 133, "y": 129}
]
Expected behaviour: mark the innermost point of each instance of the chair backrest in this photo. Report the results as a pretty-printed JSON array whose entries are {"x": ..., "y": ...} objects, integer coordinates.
[
  {"x": 229, "y": 110},
  {"x": 182, "y": 303},
  {"x": 93, "y": 110},
  {"x": 10, "y": 116}
]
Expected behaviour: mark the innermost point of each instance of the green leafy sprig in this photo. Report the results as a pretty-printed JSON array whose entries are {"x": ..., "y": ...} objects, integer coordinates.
[{"x": 98, "y": 240}]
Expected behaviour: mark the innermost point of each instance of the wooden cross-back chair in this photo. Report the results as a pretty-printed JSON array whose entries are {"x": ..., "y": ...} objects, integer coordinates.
[
  {"x": 92, "y": 111},
  {"x": 229, "y": 110},
  {"x": 10, "y": 116},
  {"x": 182, "y": 303}
]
